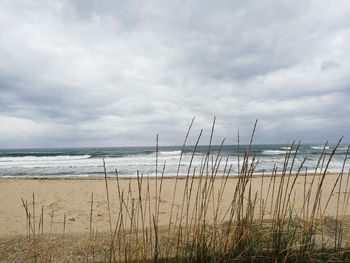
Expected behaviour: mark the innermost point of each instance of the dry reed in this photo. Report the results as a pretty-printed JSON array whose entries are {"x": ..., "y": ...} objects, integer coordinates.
[{"x": 257, "y": 226}]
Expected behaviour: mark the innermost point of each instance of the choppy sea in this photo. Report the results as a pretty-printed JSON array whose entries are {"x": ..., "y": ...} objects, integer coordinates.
[{"x": 128, "y": 160}]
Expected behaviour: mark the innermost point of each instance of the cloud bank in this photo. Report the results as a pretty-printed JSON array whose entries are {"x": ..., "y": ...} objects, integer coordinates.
[{"x": 116, "y": 73}]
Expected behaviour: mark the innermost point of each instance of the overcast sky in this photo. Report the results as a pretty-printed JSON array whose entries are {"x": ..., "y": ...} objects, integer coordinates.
[{"x": 116, "y": 73}]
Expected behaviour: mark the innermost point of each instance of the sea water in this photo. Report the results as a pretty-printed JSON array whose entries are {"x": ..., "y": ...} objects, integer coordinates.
[{"x": 127, "y": 161}]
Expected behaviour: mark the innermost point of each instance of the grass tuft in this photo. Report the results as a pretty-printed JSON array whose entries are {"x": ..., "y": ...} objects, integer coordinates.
[{"x": 260, "y": 224}]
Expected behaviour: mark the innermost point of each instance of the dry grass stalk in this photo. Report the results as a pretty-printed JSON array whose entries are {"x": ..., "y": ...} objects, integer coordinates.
[{"x": 260, "y": 224}]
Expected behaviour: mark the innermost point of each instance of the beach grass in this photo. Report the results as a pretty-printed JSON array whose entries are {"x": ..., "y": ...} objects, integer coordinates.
[{"x": 257, "y": 226}]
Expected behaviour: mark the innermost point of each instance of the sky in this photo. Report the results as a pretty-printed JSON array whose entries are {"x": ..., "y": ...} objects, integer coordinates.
[{"x": 76, "y": 73}]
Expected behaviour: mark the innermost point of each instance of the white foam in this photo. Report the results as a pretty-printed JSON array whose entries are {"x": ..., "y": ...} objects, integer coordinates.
[
  {"x": 286, "y": 148},
  {"x": 276, "y": 152},
  {"x": 44, "y": 158},
  {"x": 319, "y": 147},
  {"x": 170, "y": 152},
  {"x": 343, "y": 148}
]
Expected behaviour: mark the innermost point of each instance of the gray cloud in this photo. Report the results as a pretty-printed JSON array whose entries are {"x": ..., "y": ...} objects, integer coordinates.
[{"x": 108, "y": 73}]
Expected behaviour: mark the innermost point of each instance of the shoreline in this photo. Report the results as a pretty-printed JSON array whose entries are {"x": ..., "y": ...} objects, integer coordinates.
[{"x": 165, "y": 177}]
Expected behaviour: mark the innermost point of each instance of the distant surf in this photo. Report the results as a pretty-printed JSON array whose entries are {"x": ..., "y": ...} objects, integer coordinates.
[
  {"x": 277, "y": 152},
  {"x": 128, "y": 160},
  {"x": 30, "y": 158},
  {"x": 319, "y": 147}
]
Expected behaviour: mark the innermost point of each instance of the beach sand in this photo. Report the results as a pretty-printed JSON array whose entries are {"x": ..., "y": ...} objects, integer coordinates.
[{"x": 72, "y": 197}]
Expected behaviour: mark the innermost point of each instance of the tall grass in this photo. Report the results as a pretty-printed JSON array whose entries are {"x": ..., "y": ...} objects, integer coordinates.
[{"x": 260, "y": 224}]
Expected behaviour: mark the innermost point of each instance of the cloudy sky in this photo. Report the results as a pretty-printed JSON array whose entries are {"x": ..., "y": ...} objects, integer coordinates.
[{"x": 116, "y": 73}]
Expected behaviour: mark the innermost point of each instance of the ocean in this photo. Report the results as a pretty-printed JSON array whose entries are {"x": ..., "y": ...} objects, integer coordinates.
[{"x": 74, "y": 162}]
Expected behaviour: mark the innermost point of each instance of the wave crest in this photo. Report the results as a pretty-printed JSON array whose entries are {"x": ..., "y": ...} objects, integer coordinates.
[
  {"x": 44, "y": 158},
  {"x": 170, "y": 152},
  {"x": 319, "y": 147},
  {"x": 276, "y": 152}
]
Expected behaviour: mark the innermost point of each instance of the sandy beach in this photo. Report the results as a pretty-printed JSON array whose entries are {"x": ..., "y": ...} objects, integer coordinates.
[
  {"x": 73, "y": 198},
  {"x": 70, "y": 213}
]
